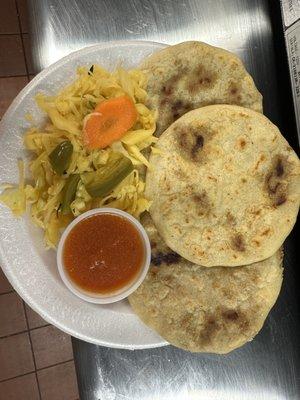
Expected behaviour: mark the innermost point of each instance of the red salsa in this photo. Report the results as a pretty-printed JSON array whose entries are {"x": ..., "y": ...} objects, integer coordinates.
[{"x": 103, "y": 253}]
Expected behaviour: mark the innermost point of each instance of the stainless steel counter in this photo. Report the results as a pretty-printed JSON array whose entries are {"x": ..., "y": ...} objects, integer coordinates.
[{"x": 268, "y": 368}]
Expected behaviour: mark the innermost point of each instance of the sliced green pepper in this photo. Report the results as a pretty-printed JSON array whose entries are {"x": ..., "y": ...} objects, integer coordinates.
[
  {"x": 101, "y": 182},
  {"x": 60, "y": 157},
  {"x": 69, "y": 193}
]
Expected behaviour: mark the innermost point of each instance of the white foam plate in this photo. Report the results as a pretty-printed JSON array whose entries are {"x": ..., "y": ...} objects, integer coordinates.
[{"x": 30, "y": 268}]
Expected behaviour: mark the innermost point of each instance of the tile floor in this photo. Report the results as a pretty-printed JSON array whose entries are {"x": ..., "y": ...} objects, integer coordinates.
[{"x": 36, "y": 359}]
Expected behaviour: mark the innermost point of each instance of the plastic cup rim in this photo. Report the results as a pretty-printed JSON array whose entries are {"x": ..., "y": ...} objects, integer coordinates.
[{"x": 122, "y": 293}]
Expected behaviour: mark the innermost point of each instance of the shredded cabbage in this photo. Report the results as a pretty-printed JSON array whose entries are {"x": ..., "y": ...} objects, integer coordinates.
[
  {"x": 66, "y": 112},
  {"x": 127, "y": 196}
]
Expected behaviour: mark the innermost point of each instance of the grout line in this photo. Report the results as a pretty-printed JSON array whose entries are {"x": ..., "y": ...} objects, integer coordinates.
[
  {"x": 55, "y": 365},
  {"x": 38, "y": 327},
  {"x": 22, "y": 40},
  {"x": 40, "y": 369},
  {"x": 24, "y": 331},
  {"x": 13, "y": 334},
  {"x": 10, "y": 34},
  {"x": 33, "y": 356},
  {"x": 18, "y": 376},
  {"x": 13, "y": 76},
  {"x": 10, "y": 291}
]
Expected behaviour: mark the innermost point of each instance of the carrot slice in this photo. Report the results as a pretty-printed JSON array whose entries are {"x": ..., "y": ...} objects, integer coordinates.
[{"x": 110, "y": 120}]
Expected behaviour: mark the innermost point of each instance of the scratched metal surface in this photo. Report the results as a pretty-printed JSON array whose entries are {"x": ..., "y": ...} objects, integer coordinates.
[{"x": 267, "y": 368}]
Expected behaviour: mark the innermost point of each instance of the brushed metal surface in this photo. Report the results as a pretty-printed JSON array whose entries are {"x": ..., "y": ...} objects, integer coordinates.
[
  {"x": 242, "y": 26},
  {"x": 60, "y": 26},
  {"x": 267, "y": 368}
]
